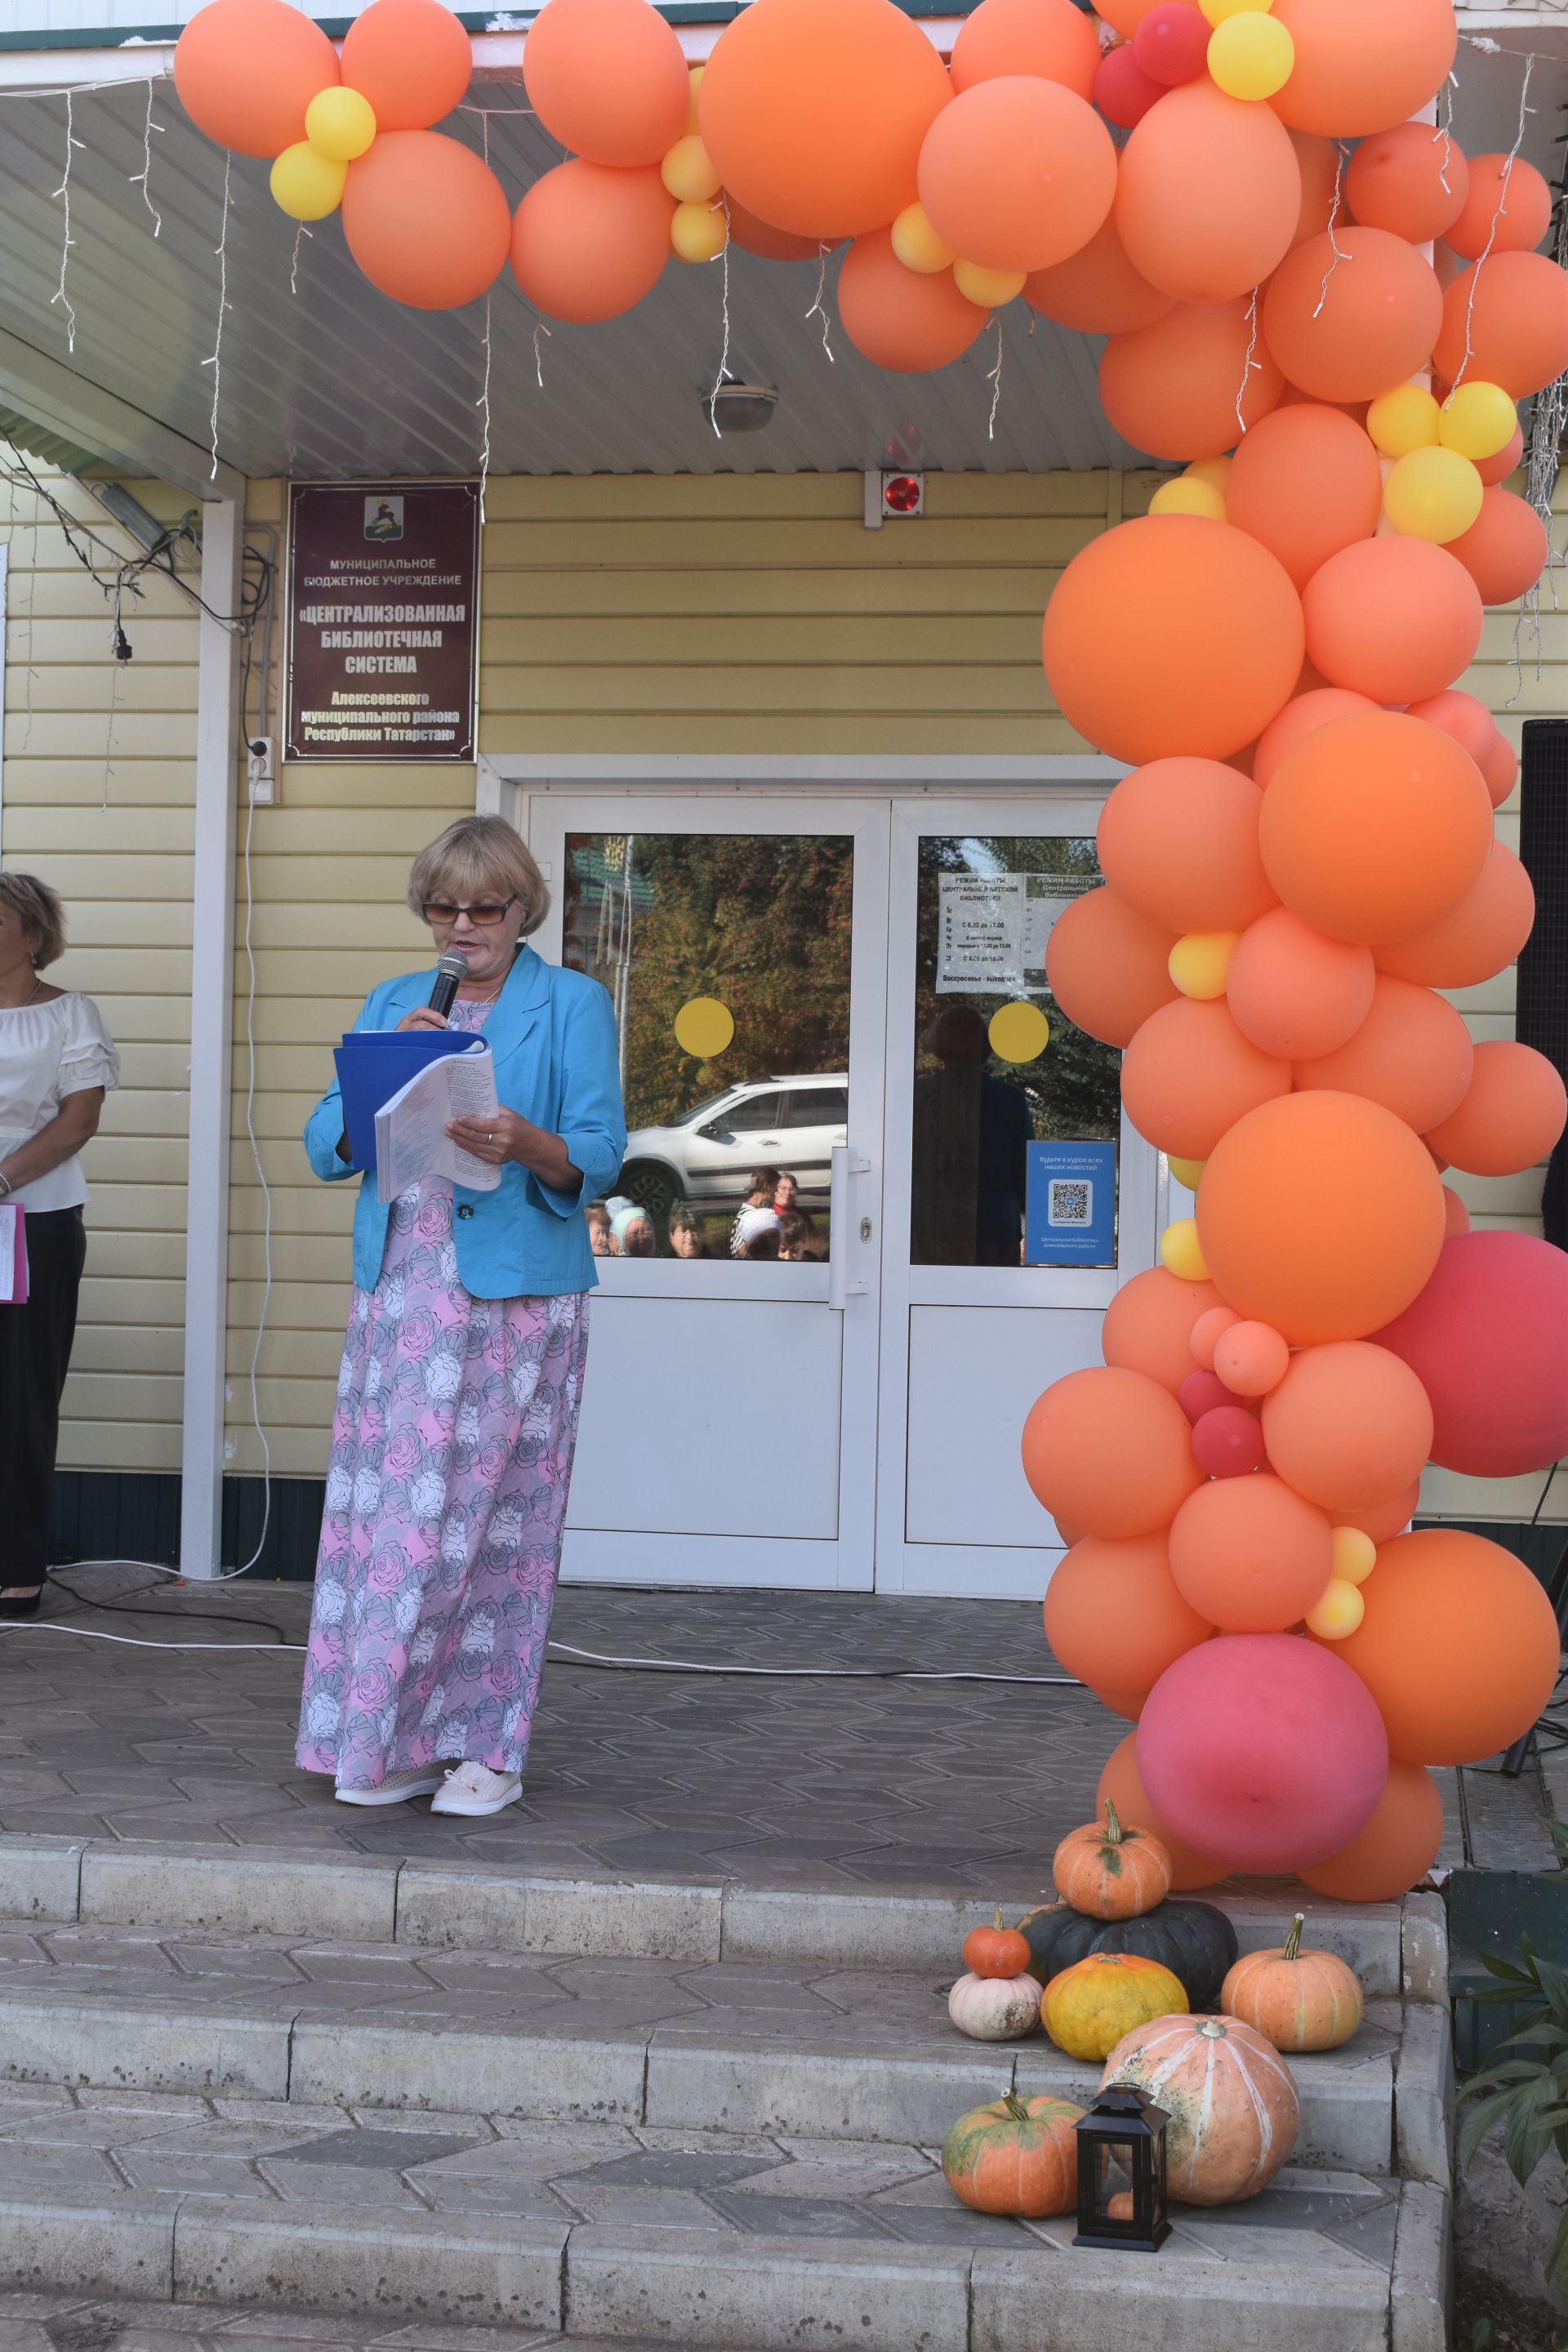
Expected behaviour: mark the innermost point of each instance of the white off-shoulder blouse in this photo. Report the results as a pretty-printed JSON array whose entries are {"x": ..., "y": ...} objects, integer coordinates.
[{"x": 47, "y": 1052}]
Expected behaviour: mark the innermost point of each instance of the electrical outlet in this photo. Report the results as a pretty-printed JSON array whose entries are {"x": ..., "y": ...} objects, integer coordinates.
[{"x": 260, "y": 772}]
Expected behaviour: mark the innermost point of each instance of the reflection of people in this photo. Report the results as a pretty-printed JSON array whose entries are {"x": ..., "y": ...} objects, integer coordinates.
[
  {"x": 599, "y": 1230},
  {"x": 786, "y": 1198},
  {"x": 764, "y": 1243},
  {"x": 795, "y": 1233},
  {"x": 971, "y": 1134},
  {"x": 685, "y": 1233},
  {"x": 458, "y": 1401},
  {"x": 751, "y": 1226},
  {"x": 759, "y": 1193},
  {"x": 631, "y": 1233}
]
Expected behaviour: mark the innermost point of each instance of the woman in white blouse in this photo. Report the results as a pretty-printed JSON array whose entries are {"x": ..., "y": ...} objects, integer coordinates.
[{"x": 57, "y": 1063}]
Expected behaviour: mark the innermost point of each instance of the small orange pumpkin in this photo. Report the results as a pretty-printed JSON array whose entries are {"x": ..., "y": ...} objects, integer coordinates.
[
  {"x": 1091, "y": 2006},
  {"x": 995, "y": 1951},
  {"x": 1297, "y": 1999},
  {"x": 1111, "y": 1873},
  {"x": 1234, "y": 2114},
  {"x": 1015, "y": 2156}
]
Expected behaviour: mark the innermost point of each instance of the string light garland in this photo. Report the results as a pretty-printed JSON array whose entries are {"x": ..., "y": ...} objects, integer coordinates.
[
  {"x": 1251, "y": 364},
  {"x": 723, "y": 369},
  {"x": 820, "y": 307},
  {"x": 143, "y": 178},
  {"x": 1335, "y": 254},
  {"x": 1525, "y": 112},
  {"x": 994, "y": 378},
  {"x": 63, "y": 196},
  {"x": 215, "y": 360}
]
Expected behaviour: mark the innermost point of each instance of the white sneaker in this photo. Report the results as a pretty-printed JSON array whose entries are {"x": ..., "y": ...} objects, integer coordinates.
[
  {"x": 419, "y": 1780},
  {"x": 475, "y": 1789}
]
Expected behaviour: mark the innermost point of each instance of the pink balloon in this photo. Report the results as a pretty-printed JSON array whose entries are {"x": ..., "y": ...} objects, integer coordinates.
[
  {"x": 1171, "y": 43},
  {"x": 1263, "y": 1748},
  {"x": 1488, "y": 1339},
  {"x": 1227, "y": 1441},
  {"x": 1122, "y": 90},
  {"x": 1202, "y": 1392}
]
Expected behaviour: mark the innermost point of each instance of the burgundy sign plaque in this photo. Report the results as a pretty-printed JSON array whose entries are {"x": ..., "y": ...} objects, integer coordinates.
[{"x": 384, "y": 581}]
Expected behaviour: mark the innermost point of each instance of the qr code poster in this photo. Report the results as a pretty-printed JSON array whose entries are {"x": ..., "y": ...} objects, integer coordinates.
[{"x": 1071, "y": 1204}]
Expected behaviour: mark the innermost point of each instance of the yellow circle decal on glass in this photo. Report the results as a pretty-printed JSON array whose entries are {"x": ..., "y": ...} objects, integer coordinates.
[
  {"x": 704, "y": 1027},
  {"x": 1019, "y": 1033}
]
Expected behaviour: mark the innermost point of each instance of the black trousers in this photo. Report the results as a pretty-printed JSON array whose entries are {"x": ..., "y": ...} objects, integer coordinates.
[{"x": 35, "y": 1357}]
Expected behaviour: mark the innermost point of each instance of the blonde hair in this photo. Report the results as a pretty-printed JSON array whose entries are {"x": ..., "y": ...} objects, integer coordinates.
[
  {"x": 40, "y": 912},
  {"x": 480, "y": 853}
]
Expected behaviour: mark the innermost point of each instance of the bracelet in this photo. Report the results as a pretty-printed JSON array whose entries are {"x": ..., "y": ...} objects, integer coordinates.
[{"x": 10, "y": 1188}]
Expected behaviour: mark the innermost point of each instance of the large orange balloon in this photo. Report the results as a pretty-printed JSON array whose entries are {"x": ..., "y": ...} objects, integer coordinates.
[
  {"x": 1396, "y": 619},
  {"x": 1018, "y": 173},
  {"x": 1375, "y": 826},
  {"x": 1411, "y": 180},
  {"x": 1319, "y": 163},
  {"x": 1176, "y": 387},
  {"x": 1300, "y": 716},
  {"x": 1249, "y": 1555},
  {"x": 1505, "y": 549},
  {"x": 1412, "y": 1053},
  {"x": 607, "y": 79},
  {"x": 1113, "y": 1615},
  {"x": 1107, "y": 966},
  {"x": 1209, "y": 194},
  {"x": 1369, "y": 327},
  {"x": 1171, "y": 634},
  {"x": 902, "y": 318},
  {"x": 1120, "y": 1783},
  {"x": 773, "y": 244},
  {"x": 1315, "y": 1211},
  {"x": 1505, "y": 321},
  {"x": 1512, "y": 1113},
  {"x": 1294, "y": 993},
  {"x": 425, "y": 220},
  {"x": 1179, "y": 839},
  {"x": 1396, "y": 1850},
  {"x": 589, "y": 242},
  {"x": 1476, "y": 940},
  {"x": 1349, "y": 1424},
  {"x": 1096, "y": 290},
  {"x": 1458, "y": 1646},
  {"x": 1507, "y": 208},
  {"x": 1305, "y": 481},
  {"x": 410, "y": 58},
  {"x": 814, "y": 112},
  {"x": 1049, "y": 37},
  {"x": 246, "y": 70},
  {"x": 1360, "y": 70},
  {"x": 1111, "y": 1452},
  {"x": 1189, "y": 1074},
  {"x": 1148, "y": 1326}
]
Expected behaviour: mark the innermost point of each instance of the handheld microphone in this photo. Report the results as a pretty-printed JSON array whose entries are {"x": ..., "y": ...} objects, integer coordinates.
[{"x": 451, "y": 970}]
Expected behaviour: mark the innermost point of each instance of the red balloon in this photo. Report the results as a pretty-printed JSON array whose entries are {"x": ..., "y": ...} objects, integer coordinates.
[
  {"x": 902, "y": 318},
  {"x": 1505, "y": 549},
  {"x": 1227, "y": 1441},
  {"x": 1171, "y": 43},
  {"x": 410, "y": 58},
  {"x": 246, "y": 70},
  {"x": 1122, "y": 90},
  {"x": 425, "y": 220},
  {"x": 1488, "y": 1339},
  {"x": 1202, "y": 1392}
]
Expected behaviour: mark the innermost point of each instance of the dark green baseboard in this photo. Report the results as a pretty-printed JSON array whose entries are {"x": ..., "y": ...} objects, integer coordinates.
[{"x": 135, "y": 1514}]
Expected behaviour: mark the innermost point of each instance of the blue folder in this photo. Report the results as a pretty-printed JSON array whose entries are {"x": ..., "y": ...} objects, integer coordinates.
[{"x": 376, "y": 1063}]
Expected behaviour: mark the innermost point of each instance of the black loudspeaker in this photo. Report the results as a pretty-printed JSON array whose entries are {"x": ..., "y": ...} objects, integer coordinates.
[{"x": 1543, "y": 1017}]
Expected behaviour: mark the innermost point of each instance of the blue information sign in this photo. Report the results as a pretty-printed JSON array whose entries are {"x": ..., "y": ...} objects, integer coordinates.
[{"x": 1071, "y": 1204}]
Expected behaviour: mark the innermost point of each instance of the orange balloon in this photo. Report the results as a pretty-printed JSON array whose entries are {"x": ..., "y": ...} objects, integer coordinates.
[
  {"x": 589, "y": 242},
  {"x": 1347, "y": 1425},
  {"x": 1120, "y": 1783},
  {"x": 410, "y": 58},
  {"x": 1396, "y": 1850},
  {"x": 1476, "y": 940},
  {"x": 607, "y": 79},
  {"x": 1294, "y": 993},
  {"x": 1305, "y": 481},
  {"x": 1501, "y": 770},
  {"x": 1375, "y": 826},
  {"x": 1095, "y": 289},
  {"x": 1300, "y": 715},
  {"x": 1507, "y": 207},
  {"x": 1148, "y": 1326},
  {"x": 1382, "y": 1520},
  {"x": 1111, "y": 1451},
  {"x": 1113, "y": 1615},
  {"x": 1127, "y": 1703},
  {"x": 902, "y": 318},
  {"x": 246, "y": 70},
  {"x": 425, "y": 219},
  {"x": 1507, "y": 461},
  {"x": 1316, "y": 1211},
  {"x": 1512, "y": 1113},
  {"x": 1209, "y": 194},
  {"x": 773, "y": 244},
  {"x": 1068, "y": 1532},
  {"x": 1208, "y": 1331},
  {"x": 1189, "y": 1074},
  {"x": 1319, "y": 165},
  {"x": 1458, "y": 1646},
  {"x": 814, "y": 112},
  {"x": 1396, "y": 619},
  {"x": 1250, "y": 1556},
  {"x": 1371, "y": 327},
  {"x": 1018, "y": 173},
  {"x": 1412, "y": 1053},
  {"x": 1465, "y": 717},
  {"x": 1455, "y": 1215},
  {"x": 1174, "y": 387},
  {"x": 1505, "y": 549},
  {"x": 1514, "y": 329},
  {"x": 1109, "y": 967},
  {"x": 1172, "y": 634},
  {"x": 1251, "y": 1359},
  {"x": 1049, "y": 38},
  {"x": 1124, "y": 17},
  {"x": 1179, "y": 839},
  {"x": 1360, "y": 70},
  {"x": 1411, "y": 180}
]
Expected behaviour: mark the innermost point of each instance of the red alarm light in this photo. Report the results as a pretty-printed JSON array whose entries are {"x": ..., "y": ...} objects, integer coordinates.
[{"x": 903, "y": 494}]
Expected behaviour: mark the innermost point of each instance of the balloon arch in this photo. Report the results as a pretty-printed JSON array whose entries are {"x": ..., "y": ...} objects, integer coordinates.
[{"x": 1304, "y": 853}]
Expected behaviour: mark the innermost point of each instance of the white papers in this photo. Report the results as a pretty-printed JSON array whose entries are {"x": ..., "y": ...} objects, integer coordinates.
[
  {"x": 13, "y": 1255},
  {"x": 992, "y": 930},
  {"x": 411, "y": 1138}
]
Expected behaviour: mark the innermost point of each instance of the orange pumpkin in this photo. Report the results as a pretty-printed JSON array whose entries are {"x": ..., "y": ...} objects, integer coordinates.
[
  {"x": 1015, "y": 2156},
  {"x": 1297, "y": 1999},
  {"x": 1111, "y": 1873},
  {"x": 1235, "y": 2114},
  {"x": 995, "y": 1951},
  {"x": 1093, "y": 2005}
]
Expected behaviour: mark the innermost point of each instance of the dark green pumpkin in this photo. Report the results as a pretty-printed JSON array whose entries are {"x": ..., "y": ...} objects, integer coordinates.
[{"x": 1194, "y": 1940}]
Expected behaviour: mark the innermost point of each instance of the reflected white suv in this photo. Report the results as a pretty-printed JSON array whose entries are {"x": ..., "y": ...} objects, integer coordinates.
[{"x": 707, "y": 1156}]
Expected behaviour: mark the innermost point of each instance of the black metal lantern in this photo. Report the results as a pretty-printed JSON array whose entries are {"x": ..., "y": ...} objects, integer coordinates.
[{"x": 1122, "y": 2173}]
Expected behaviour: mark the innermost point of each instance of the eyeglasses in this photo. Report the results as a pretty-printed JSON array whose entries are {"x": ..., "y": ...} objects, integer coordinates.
[{"x": 486, "y": 910}]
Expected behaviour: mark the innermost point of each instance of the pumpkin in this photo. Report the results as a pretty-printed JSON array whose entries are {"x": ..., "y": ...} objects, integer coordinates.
[
  {"x": 1194, "y": 1940},
  {"x": 1297, "y": 1999},
  {"x": 1232, "y": 2102},
  {"x": 1096, "y": 2003},
  {"x": 995, "y": 2009},
  {"x": 1015, "y": 2156},
  {"x": 1109, "y": 1873},
  {"x": 995, "y": 1951}
]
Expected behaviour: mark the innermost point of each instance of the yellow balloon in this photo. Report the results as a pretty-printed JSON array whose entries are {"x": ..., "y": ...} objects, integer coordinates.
[
  {"x": 1185, "y": 1171},
  {"x": 1250, "y": 55},
  {"x": 1199, "y": 963},
  {"x": 1019, "y": 1033},
  {"x": 1478, "y": 420},
  {"x": 704, "y": 1026},
  {"x": 1433, "y": 493},
  {"x": 1179, "y": 1251},
  {"x": 306, "y": 185},
  {"x": 917, "y": 244},
  {"x": 989, "y": 288},
  {"x": 339, "y": 124},
  {"x": 688, "y": 172},
  {"x": 1355, "y": 1555},
  {"x": 1216, "y": 471},
  {"x": 1187, "y": 495},
  {"x": 1217, "y": 11},
  {"x": 1338, "y": 1612},
  {"x": 1402, "y": 420},
  {"x": 694, "y": 77},
  {"x": 697, "y": 231}
]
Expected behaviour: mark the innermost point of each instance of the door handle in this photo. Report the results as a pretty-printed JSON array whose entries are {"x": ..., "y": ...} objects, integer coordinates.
[{"x": 841, "y": 1289}]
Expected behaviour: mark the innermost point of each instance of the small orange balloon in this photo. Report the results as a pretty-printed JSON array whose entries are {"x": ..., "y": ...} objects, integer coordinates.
[
  {"x": 1049, "y": 38},
  {"x": 1411, "y": 180},
  {"x": 1465, "y": 717},
  {"x": 1512, "y": 1113},
  {"x": 1507, "y": 208},
  {"x": 1171, "y": 387},
  {"x": 1208, "y": 1331},
  {"x": 1373, "y": 328},
  {"x": 608, "y": 80},
  {"x": 1295, "y": 994},
  {"x": 1505, "y": 321},
  {"x": 902, "y": 320},
  {"x": 1109, "y": 967},
  {"x": 1120, "y": 1783},
  {"x": 1396, "y": 1850},
  {"x": 1505, "y": 549},
  {"x": 1018, "y": 173},
  {"x": 1477, "y": 938},
  {"x": 1111, "y": 1451},
  {"x": 588, "y": 242},
  {"x": 1251, "y": 1359},
  {"x": 1455, "y": 1215},
  {"x": 1360, "y": 70},
  {"x": 1394, "y": 618},
  {"x": 1148, "y": 1326},
  {"x": 1349, "y": 1425},
  {"x": 410, "y": 58},
  {"x": 1179, "y": 839},
  {"x": 1305, "y": 481},
  {"x": 1508, "y": 460},
  {"x": 425, "y": 219},
  {"x": 1382, "y": 1520},
  {"x": 246, "y": 70},
  {"x": 1209, "y": 194},
  {"x": 1321, "y": 195},
  {"x": 1189, "y": 1074},
  {"x": 1113, "y": 1615},
  {"x": 1250, "y": 1556},
  {"x": 1412, "y": 1053},
  {"x": 1315, "y": 708},
  {"x": 1501, "y": 770},
  {"x": 1095, "y": 289}
]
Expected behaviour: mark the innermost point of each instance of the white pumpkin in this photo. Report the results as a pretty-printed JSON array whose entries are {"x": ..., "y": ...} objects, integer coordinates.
[{"x": 995, "y": 2009}]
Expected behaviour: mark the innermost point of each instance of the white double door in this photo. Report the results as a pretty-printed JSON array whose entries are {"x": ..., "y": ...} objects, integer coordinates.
[{"x": 848, "y": 1417}]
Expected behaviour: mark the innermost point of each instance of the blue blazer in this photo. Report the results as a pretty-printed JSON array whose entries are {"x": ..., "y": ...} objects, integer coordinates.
[{"x": 552, "y": 1033}]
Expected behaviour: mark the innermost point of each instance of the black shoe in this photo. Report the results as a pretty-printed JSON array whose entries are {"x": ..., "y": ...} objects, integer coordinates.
[{"x": 21, "y": 1605}]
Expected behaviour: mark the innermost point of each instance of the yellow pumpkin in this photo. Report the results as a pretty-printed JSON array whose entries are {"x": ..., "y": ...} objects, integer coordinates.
[
  {"x": 1297, "y": 1999},
  {"x": 1111, "y": 1873},
  {"x": 1091, "y": 2006}
]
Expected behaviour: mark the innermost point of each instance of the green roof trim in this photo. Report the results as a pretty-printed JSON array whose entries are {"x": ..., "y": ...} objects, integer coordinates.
[{"x": 472, "y": 20}]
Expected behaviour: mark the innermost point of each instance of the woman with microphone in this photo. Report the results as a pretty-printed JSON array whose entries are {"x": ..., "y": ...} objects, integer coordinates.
[{"x": 462, "y": 1372}]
